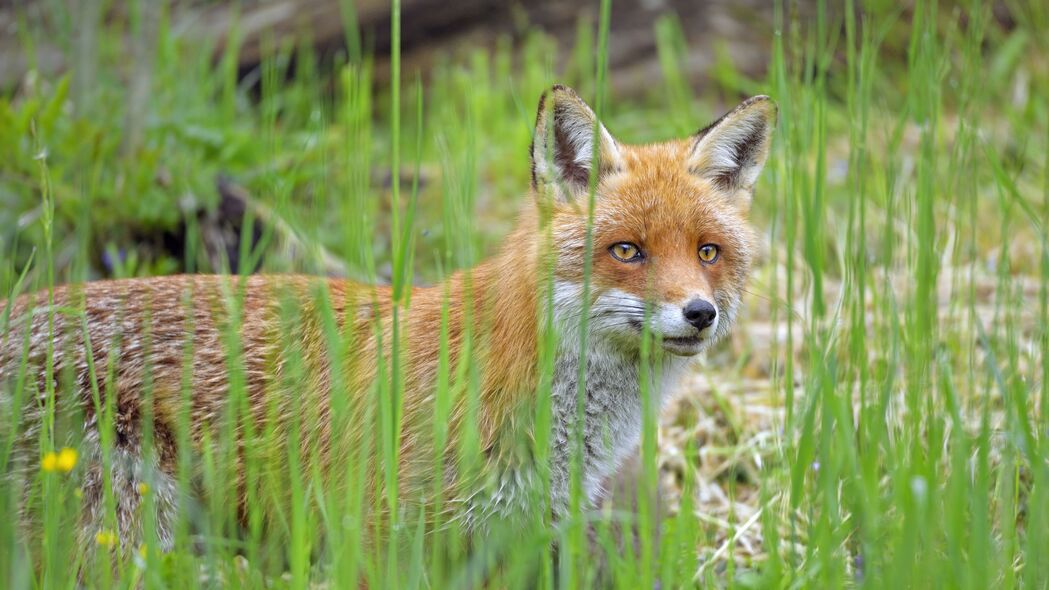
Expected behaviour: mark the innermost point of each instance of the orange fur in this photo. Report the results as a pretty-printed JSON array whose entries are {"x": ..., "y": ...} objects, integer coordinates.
[{"x": 668, "y": 198}]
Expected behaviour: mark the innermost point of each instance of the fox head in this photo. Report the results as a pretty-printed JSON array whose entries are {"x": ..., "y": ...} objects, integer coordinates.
[{"x": 670, "y": 231}]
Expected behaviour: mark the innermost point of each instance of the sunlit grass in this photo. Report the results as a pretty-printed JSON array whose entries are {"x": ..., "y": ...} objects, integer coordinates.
[{"x": 902, "y": 302}]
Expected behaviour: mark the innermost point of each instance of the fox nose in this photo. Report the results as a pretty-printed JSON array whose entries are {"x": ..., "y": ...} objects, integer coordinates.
[{"x": 700, "y": 313}]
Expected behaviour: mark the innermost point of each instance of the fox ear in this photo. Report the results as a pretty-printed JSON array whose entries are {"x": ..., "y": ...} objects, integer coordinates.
[
  {"x": 563, "y": 145},
  {"x": 732, "y": 150}
]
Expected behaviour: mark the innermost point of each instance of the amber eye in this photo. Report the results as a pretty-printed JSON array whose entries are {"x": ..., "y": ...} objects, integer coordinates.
[
  {"x": 708, "y": 253},
  {"x": 625, "y": 252}
]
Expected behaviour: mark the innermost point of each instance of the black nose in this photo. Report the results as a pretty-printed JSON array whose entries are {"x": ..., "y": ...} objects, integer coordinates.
[{"x": 700, "y": 313}]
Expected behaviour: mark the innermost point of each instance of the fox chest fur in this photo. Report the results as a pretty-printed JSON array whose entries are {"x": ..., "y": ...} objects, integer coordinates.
[
  {"x": 593, "y": 428},
  {"x": 612, "y": 411}
]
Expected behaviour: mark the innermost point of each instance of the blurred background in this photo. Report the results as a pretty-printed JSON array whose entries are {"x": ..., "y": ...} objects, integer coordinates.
[
  {"x": 738, "y": 32},
  {"x": 193, "y": 100},
  {"x": 125, "y": 68}
]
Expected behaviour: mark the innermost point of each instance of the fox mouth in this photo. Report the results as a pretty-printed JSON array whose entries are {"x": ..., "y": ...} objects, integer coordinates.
[
  {"x": 678, "y": 345},
  {"x": 683, "y": 345}
]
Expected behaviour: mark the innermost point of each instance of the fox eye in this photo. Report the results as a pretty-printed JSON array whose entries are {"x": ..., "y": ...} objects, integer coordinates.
[
  {"x": 708, "y": 253},
  {"x": 625, "y": 252}
]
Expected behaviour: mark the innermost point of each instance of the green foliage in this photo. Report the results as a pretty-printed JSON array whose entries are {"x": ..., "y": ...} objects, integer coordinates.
[{"x": 906, "y": 280}]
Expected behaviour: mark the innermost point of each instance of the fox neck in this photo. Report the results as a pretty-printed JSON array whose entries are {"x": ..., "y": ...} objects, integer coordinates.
[{"x": 617, "y": 383}]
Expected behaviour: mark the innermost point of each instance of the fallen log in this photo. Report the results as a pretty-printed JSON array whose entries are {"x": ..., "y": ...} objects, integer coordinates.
[{"x": 429, "y": 28}]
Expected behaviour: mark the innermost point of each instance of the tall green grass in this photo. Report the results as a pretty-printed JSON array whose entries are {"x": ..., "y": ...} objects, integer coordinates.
[{"x": 906, "y": 280}]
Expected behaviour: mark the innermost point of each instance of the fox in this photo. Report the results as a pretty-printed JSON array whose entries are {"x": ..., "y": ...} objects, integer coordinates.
[{"x": 633, "y": 242}]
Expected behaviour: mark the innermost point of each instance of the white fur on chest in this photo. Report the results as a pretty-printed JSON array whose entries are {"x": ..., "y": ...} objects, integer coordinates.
[
  {"x": 611, "y": 403},
  {"x": 612, "y": 411}
]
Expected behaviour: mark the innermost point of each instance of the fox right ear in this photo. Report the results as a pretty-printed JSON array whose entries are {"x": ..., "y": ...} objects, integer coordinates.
[
  {"x": 563, "y": 145},
  {"x": 732, "y": 150}
]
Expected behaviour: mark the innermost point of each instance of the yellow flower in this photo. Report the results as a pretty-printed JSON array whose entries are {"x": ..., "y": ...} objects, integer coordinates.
[
  {"x": 106, "y": 538},
  {"x": 49, "y": 462},
  {"x": 143, "y": 488},
  {"x": 142, "y": 556},
  {"x": 66, "y": 459}
]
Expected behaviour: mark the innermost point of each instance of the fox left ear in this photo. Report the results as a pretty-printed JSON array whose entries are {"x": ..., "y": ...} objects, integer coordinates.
[
  {"x": 732, "y": 150},
  {"x": 563, "y": 146}
]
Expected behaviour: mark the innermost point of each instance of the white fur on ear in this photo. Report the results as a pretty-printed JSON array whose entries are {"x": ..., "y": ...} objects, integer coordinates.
[
  {"x": 732, "y": 150},
  {"x": 563, "y": 145}
]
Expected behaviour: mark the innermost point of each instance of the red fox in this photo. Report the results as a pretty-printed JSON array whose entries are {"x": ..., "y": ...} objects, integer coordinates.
[{"x": 671, "y": 247}]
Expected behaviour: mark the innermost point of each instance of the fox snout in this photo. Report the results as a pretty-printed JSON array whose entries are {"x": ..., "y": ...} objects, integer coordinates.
[
  {"x": 687, "y": 329},
  {"x": 695, "y": 322},
  {"x": 700, "y": 313},
  {"x": 683, "y": 329}
]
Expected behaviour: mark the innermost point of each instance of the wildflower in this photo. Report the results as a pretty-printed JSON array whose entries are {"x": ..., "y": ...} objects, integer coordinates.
[
  {"x": 66, "y": 460},
  {"x": 49, "y": 462},
  {"x": 141, "y": 556},
  {"x": 106, "y": 538},
  {"x": 143, "y": 488}
]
